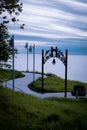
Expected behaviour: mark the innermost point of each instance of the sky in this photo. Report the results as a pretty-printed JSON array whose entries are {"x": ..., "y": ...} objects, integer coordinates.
[{"x": 52, "y": 22}]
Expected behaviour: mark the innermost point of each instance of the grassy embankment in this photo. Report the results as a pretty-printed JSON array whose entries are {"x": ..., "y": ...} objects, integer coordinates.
[
  {"x": 6, "y": 74},
  {"x": 54, "y": 83},
  {"x": 20, "y": 111}
]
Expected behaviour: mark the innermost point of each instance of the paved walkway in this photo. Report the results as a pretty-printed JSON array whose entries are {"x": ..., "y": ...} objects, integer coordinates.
[{"x": 21, "y": 84}]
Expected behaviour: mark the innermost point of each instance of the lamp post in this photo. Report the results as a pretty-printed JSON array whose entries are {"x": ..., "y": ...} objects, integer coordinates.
[
  {"x": 11, "y": 44},
  {"x": 26, "y": 46},
  {"x": 30, "y": 50},
  {"x": 33, "y": 62}
]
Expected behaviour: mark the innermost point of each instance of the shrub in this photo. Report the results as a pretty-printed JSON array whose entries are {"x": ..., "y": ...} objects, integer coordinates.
[{"x": 80, "y": 89}]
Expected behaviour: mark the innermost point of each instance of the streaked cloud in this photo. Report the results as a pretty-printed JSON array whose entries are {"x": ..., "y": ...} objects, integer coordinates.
[{"x": 50, "y": 20}]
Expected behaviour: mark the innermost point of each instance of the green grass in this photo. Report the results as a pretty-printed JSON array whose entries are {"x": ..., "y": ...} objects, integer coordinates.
[
  {"x": 6, "y": 74},
  {"x": 54, "y": 83},
  {"x": 21, "y": 111}
]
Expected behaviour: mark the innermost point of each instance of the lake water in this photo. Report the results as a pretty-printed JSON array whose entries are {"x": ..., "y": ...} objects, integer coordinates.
[{"x": 77, "y": 66}]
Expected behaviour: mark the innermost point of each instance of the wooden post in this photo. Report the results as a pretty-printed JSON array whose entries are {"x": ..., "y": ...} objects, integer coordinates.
[
  {"x": 66, "y": 74},
  {"x": 76, "y": 94}
]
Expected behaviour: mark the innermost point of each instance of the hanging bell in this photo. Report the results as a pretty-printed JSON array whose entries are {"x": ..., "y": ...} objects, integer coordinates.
[{"x": 53, "y": 62}]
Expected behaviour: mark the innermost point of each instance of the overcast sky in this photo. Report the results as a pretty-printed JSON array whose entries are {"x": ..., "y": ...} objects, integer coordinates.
[{"x": 50, "y": 21}]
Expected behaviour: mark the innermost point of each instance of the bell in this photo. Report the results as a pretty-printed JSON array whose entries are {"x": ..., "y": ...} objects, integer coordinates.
[{"x": 53, "y": 62}]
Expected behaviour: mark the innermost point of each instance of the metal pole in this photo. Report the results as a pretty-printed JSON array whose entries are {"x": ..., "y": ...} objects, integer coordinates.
[
  {"x": 66, "y": 74},
  {"x": 13, "y": 74},
  {"x": 42, "y": 69},
  {"x": 27, "y": 57},
  {"x": 33, "y": 62}
]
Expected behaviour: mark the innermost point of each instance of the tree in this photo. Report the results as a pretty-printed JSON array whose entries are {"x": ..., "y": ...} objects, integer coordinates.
[
  {"x": 9, "y": 10},
  {"x": 5, "y": 49},
  {"x": 4, "y": 53}
]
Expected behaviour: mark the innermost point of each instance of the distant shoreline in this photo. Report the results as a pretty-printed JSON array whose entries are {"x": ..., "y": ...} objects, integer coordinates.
[
  {"x": 78, "y": 54},
  {"x": 72, "y": 50}
]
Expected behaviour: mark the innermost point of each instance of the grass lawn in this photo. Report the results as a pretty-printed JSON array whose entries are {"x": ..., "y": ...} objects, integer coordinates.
[
  {"x": 20, "y": 111},
  {"x": 6, "y": 74},
  {"x": 54, "y": 83}
]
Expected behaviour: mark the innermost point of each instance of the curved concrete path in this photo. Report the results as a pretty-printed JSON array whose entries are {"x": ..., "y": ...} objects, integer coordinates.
[{"x": 22, "y": 83}]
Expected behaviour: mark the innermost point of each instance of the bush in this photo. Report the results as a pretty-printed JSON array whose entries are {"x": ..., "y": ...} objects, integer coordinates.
[{"x": 80, "y": 89}]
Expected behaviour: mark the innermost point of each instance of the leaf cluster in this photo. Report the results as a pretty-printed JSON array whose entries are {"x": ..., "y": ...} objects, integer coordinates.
[
  {"x": 11, "y": 7},
  {"x": 5, "y": 50},
  {"x": 4, "y": 54},
  {"x": 9, "y": 11}
]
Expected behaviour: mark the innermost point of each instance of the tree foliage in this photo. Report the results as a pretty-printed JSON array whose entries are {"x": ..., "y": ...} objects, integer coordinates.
[
  {"x": 4, "y": 53},
  {"x": 9, "y": 10},
  {"x": 5, "y": 49}
]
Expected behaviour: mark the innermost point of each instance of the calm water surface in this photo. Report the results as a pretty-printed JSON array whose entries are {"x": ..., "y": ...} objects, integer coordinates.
[{"x": 77, "y": 66}]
